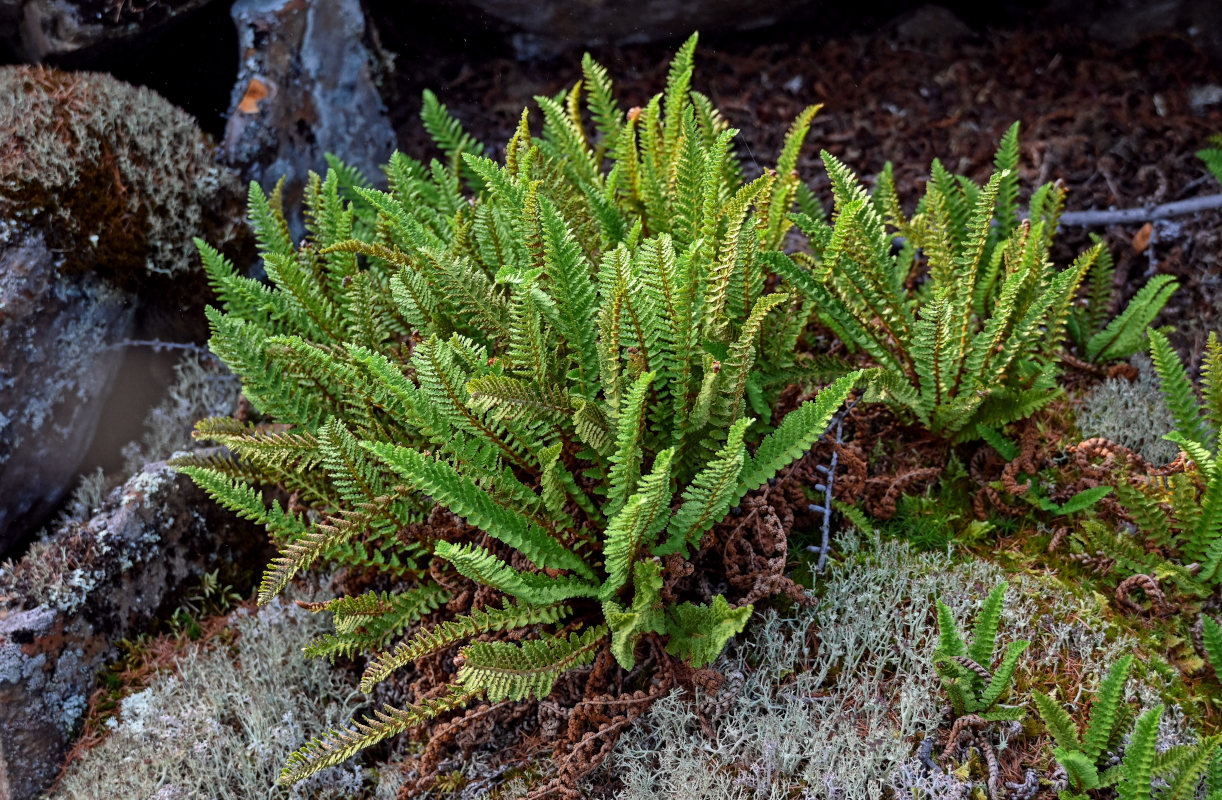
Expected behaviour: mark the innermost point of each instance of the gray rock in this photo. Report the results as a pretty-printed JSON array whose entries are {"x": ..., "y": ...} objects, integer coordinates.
[
  {"x": 40, "y": 29},
  {"x": 930, "y": 25},
  {"x": 75, "y": 594},
  {"x": 307, "y": 86},
  {"x": 58, "y": 360},
  {"x": 1125, "y": 23}
]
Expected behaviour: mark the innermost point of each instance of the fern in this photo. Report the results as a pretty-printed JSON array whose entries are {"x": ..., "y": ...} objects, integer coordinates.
[
  {"x": 967, "y": 673},
  {"x": 502, "y": 670},
  {"x": 1083, "y": 758},
  {"x": 978, "y": 344},
  {"x": 1137, "y": 767},
  {"x": 1186, "y": 518},
  {"x": 576, "y": 354},
  {"x": 1211, "y": 637},
  {"x": 1212, "y": 157}
]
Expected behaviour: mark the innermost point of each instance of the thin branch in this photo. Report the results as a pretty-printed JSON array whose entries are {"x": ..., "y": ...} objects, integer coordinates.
[{"x": 1123, "y": 216}]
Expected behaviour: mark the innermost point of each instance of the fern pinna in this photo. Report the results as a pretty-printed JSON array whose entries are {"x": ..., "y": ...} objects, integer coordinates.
[
  {"x": 977, "y": 341},
  {"x": 570, "y": 351}
]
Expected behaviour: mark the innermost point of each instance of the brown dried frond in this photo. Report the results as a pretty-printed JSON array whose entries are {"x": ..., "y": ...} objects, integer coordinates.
[
  {"x": 963, "y": 725},
  {"x": 1159, "y": 606},
  {"x": 967, "y": 663}
]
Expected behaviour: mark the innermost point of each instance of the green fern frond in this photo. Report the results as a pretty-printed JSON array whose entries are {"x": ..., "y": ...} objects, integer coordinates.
[
  {"x": 708, "y": 498},
  {"x": 795, "y": 435},
  {"x": 631, "y": 531},
  {"x": 448, "y": 133},
  {"x": 365, "y": 622},
  {"x": 1104, "y": 713},
  {"x": 340, "y": 744},
  {"x": 984, "y": 634},
  {"x": 950, "y": 643},
  {"x": 1059, "y": 724},
  {"x": 484, "y": 567},
  {"x": 1079, "y": 770},
  {"x": 1177, "y": 390},
  {"x": 1137, "y": 767},
  {"x": 512, "y": 615},
  {"x": 460, "y": 494},
  {"x": 626, "y": 458},
  {"x": 1123, "y": 336},
  {"x": 1211, "y": 636},
  {"x": 506, "y": 671},
  {"x": 699, "y": 633},
  {"x": 1003, "y": 674},
  {"x": 1212, "y": 156},
  {"x": 267, "y": 220},
  {"x": 1211, "y": 382}
]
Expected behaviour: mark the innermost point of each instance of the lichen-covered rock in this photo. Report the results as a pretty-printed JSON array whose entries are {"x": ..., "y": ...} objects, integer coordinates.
[
  {"x": 74, "y": 595},
  {"x": 307, "y": 86},
  {"x": 57, "y": 362},
  {"x": 117, "y": 179},
  {"x": 102, "y": 187},
  {"x": 37, "y": 29}
]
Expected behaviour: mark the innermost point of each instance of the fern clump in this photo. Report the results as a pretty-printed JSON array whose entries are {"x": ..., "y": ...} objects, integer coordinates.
[
  {"x": 967, "y": 673},
  {"x": 1082, "y": 757},
  {"x": 1181, "y": 513},
  {"x": 1180, "y": 768},
  {"x": 535, "y": 380},
  {"x": 967, "y": 319}
]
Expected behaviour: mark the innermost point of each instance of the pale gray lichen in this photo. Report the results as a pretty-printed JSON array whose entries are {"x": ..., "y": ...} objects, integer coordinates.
[
  {"x": 221, "y": 727},
  {"x": 1130, "y": 413},
  {"x": 834, "y": 700}
]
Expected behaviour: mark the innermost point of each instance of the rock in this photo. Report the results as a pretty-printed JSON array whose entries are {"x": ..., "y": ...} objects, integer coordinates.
[
  {"x": 307, "y": 86},
  {"x": 118, "y": 179},
  {"x": 1126, "y": 23},
  {"x": 58, "y": 358},
  {"x": 930, "y": 26},
  {"x": 102, "y": 187},
  {"x": 66, "y": 604},
  {"x": 547, "y": 28},
  {"x": 40, "y": 29}
]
